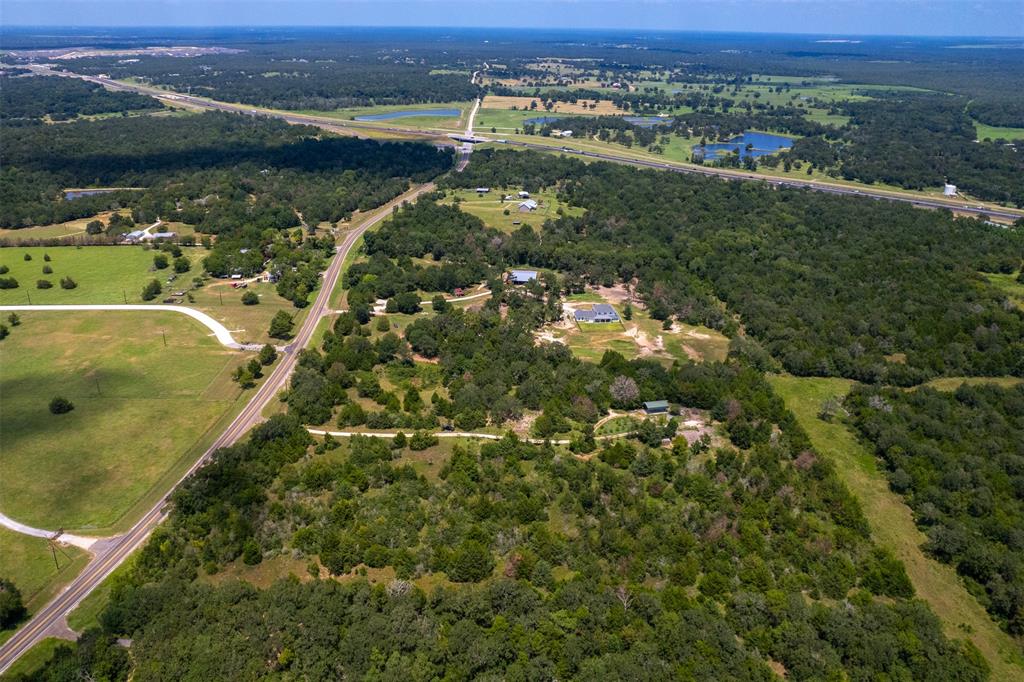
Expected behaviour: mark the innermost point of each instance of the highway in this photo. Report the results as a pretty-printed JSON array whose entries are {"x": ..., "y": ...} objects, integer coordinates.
[
  {"x": 109, "y": 554},
  {"x": 439, "y": 137}
]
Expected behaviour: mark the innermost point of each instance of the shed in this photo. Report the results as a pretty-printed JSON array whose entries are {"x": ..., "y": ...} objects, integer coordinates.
[
  {"x": 522, "y": 276},
  {"x": 523, "y": 194},
  {"x": 527, "y": 206},
  {"x": 656, "y": 406},
  {"x": 483, "y": 190}
]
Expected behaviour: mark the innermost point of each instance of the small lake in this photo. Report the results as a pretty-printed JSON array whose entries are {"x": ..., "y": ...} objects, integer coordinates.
[
  {"x": 409, "y": 113},
  {"x": 762, "y": 144},
  {"x": 541, "y": 120},
  {"x": 78, "y": 194},
  {"x": 648, "y": 121}
]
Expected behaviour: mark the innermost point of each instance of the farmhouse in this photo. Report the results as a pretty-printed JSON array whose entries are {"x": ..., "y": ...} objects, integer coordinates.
[
  {"x": 527, "y": 206},
  {"x": 656, "y": 406},
  {"x": 522, "y": 276},
  {"x": 601, "y": 312}
]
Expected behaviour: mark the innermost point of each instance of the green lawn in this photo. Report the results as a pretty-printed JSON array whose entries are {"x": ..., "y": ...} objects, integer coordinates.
[
  {"x": 448, "y": 123},
  {"x": 104, "y": 274},
  {"x": 28, "y": 562},
  {"x": 34, "y": 658},
  {"x": 892, "y": 525},
  {"x": 984, "y": 131},
  {"x": 491, "y": 208},
  {"x": 140, "y": 408}
]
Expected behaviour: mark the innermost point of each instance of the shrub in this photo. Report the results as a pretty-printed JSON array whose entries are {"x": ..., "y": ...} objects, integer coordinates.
[
  {"x": 281, "y": 325},
  {"x": 421, "y": 440},
  {"x": 8, "y": 283},
  {"x": 14, "y": 319},
  {"x": 250, "y": 298},
  {"x": 61, "y": 405},
  {"x": 3, "y": 331},
  {"x": 267, "y": 355},
  {"x": 182, "y": 264},
  {"x": 94, "y": 227},
  {"x": 28, "y": 256},
  {"x": 47, "y": 270},
  {"x": 67, "y": 283},
  {"x": 12, "y": 609},
  {"x": 160, "y": 261},
  {"x": 151, "y": 290},
  {"x": 4, "y": 269},
  {"x": 44, "y": 284}
]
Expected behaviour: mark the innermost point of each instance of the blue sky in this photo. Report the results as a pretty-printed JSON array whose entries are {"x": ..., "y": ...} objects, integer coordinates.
[{"x": 841, "y": 17}]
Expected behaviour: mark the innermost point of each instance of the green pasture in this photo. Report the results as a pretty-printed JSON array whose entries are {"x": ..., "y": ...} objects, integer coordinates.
[{"x": 140, "y": 406}]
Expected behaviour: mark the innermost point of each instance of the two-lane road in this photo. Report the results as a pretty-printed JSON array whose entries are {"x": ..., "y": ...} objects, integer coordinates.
[{"x": 113, "y": 552}]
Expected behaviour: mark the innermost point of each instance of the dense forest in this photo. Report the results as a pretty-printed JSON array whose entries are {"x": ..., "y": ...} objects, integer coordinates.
[
  {"x": 958, "y": 460},
  {"x": 35, "y": 97},
  {"x": 920, "y": 141},
  {"x": 220, "y": 172},
  {"x": 301, "y": 79},
  {"x": 831, "y": 286},
  {"x": 638, "y": 564}
]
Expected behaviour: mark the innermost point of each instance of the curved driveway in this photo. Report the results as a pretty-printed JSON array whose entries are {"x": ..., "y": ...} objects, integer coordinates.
[{"x": 219, "y": 331}]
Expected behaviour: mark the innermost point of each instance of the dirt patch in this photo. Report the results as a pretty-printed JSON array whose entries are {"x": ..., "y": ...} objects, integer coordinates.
[
  {"x": 547, "y": 336},
  {"x": 522, "y": 426},
  {"x": 618, "y": 294},
  {"x": 603, "y": 107}
]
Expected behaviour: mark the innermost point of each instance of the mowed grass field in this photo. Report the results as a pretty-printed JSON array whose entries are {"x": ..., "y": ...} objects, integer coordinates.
[
  {"x": 892, "y": 524},
  {"x": 452, "y": 123},
  {"x": 491, "y": 207},
  {"x": 247, "y": 323},
  {"x": 603, "y": 107},
  {"x": 104, "y": 274},
  {"x": 28, "y": 563},
  {"x": 69, "y": 229},
  {"x": 139, "y": 408}
]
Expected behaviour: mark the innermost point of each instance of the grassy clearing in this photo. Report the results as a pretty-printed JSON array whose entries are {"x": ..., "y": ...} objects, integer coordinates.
[
  {"x": 892, "y": 525},
  {"x": 601, "y": 108},
  {"x": 639, "y": 337},
  {"x": 28, "y": 562},
  {"x": 491, "y": 208},
  {"x": 1009, "y": 285},
  {"x": 953, "y": 383},
  {"x": 447, "y": 123},
  {"x": 984, "y": 131},
  {"x": 248, "y": 323},
  {"x": 71, "y": 228},
  {"x": 104, "y": 274},
  {"x": 139, "y": 408}
]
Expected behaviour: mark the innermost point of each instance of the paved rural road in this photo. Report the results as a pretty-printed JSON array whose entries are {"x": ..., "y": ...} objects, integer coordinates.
[
  {"x": 50, "y": 618},
  {"x": 219, "y": 330},
  {"x": 349, "y": 128}
]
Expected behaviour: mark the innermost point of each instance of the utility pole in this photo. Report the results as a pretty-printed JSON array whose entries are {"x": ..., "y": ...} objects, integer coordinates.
[
  {"x": 125, "y": 295},
  {"x": 164, "y": 334}
]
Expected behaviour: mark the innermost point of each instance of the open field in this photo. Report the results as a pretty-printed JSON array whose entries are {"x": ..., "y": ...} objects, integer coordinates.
[
  {"x": 247, "y": 323},
  {"x": 491, "y": 208},
  {"x": 1009, "y": 285},
  {"x": 71, "y": 228},
  {"x": 34, "y": 659},
  {"x": 104, "y": 274},
  {"x": 953, "y": 383},
  {"x": 28, "y": 563},
  {"x": 348, "y": 114},
  {"x": 139, "y": 408},
  {"x": 602, "y": 108},
  {"x": 639, "y": 337},
  {"x": 985, "y": 131},
  {"x": 892, "y": 525},
  {"x": 507, "y": 120}
]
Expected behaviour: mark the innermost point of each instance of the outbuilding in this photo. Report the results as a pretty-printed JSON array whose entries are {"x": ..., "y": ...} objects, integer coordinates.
[
  {"x": 522, "y": 276},
  {"x": 523, "y": 194},
  {"x": 527, "y": 206},
  {"x": 656, "y": 406},
  {"x": 483, "y": 190}
]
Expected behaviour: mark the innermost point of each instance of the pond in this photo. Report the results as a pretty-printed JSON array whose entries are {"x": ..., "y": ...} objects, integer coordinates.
[
  {"x": 408, "y": 113},
  {"x": 541, "y": 120},
  {"x": 70, "y": 195},
  {"x": 762, "y": 144},
  {"x": 647, "y": 121}
]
